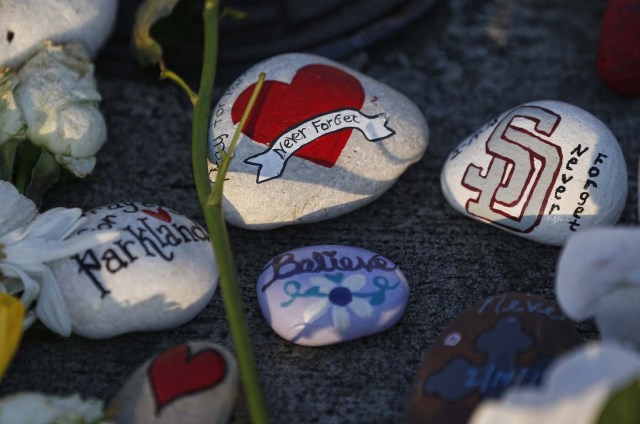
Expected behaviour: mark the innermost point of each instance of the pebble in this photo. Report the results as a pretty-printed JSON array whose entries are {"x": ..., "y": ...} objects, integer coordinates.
[
  {"x": 618, "y": 60},
  {"x": 323, "y": 140},
  {"x": 575, "y": 389},
  {"x": 598, "y": 275},
  {"x": 543, "y": 171},
  {"x": 194, "y": 383},
  {"x": 160, "y": 273},
  {"x": 321, "y": 295},
  {"x": 503, "y": 341}
]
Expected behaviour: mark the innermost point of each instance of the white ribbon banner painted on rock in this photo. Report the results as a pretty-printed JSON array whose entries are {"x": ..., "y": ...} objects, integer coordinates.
[{"x": 271, "y": 163}]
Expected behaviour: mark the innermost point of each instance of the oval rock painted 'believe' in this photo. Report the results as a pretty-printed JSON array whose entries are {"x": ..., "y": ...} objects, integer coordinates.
[
  {"x": 320, "y": 295},
  {"x": 543, "y": 171},
  {"x": 321, "y": 141},
  {"x": 160, "y": 272}
]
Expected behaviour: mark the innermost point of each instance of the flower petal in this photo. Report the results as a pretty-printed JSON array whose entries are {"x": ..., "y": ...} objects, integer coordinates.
[
  {"x": 325, "y": 284},
  {"x": 51, "y": 308},
  {"x": 30, "y": 287},
  {"x": 11, "y": 318},
  {"x": 355, "y": 282},
  {"x": 50, "y": 225},
  {"x": 314, "y": 311},
  {"x": 39, "y": 251},
  {"x": 341, "y": 318},
  {"x": 361, "y": 307}
]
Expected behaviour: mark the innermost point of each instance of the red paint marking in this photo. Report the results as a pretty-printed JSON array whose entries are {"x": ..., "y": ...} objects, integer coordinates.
[
  {"x": 519, "y": 187},
  {"x": 160, "y": 214},
  {"x": 314, "y": 90},
  {"x": 178, "y": 372}
]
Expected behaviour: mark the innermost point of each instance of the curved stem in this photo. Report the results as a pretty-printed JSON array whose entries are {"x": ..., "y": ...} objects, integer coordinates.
[{"x": 211, "y": 202}]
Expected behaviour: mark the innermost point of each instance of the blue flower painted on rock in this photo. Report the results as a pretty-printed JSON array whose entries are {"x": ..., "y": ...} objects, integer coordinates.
[
  {"x": 339, "y": 300},
  {"x": 338, "y": 295}
]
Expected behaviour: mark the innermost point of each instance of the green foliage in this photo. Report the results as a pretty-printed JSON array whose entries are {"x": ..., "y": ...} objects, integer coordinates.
[{"x": 623, "y": 407}]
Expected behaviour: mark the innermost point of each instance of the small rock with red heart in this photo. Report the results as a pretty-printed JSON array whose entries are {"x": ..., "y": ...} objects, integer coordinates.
[
  {"x": 194, "y": 383},
  {"x": 321, "y": 141},
  {"x": 160, "y": 272}
]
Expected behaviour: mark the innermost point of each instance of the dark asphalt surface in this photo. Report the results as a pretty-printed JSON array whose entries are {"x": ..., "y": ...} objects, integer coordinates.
[{"x": 458, "y": 68}]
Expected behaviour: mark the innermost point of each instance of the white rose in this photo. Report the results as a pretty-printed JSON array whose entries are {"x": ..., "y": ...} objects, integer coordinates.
[
  {"x": 25, "y": 24},
  {"x": 59, "y": 102}
]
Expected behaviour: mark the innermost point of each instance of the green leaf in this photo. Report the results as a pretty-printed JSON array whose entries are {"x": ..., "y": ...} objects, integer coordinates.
[
  {"x": 623, "y": 407},
  {"x": 147, "y": 50},
  {"x": 44, "y": 174},
  {"x": 7, "y": 157}
]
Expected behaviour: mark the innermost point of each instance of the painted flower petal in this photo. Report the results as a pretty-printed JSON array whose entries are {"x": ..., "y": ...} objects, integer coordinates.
[
  {"x": 361, "y": 307},
  {"x": 341, "y": 318},
  {"x": 325, "y": 284},
  {"x": 315, "y": 311},
  {"x": 355, "y": 282}
]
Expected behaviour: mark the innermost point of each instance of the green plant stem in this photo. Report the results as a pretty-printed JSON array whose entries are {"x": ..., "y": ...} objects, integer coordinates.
[
  {"x": 212, "y": 209},
  {"x": 170, "y": 75},
  {"x": 202, "y": 108}
]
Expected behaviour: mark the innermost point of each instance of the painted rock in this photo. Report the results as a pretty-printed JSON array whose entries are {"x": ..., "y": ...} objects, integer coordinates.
[
  {"x": 575, "y": 389},
  {"x": 320, "y": 295},
  {"x": 598, "y": 275},
  {"x": 543, "y": 171},
  {"x": 194, "y": 383},
  {"x": 618, "y": 61},
  {"x": 160, "y": 273},
  {"x": 321, "y": 141},
  {"x": 503, "y": 341}
]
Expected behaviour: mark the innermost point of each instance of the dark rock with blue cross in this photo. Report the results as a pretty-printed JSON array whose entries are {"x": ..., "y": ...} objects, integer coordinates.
[
  {"x": 503, "y": 341},
  {"x": 320, "y": 295}
]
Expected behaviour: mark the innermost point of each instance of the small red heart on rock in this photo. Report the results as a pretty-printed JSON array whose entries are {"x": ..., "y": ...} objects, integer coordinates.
[
  {"x": 314, "y": 91},
  {"x": 160, "y": 214},
  {"x": 178, "y": 372},
  {"x": 618, "y": 60}
]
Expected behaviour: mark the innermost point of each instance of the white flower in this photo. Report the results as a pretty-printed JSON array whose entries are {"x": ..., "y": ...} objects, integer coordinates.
[
  {"x": 12, "y": 126},
  {"x": 340, "y": 299},
  {"x": 25, "y": 250},
  {"x": 58, "y": 99},
  {"x": 36, "y": 408},
  {"x": 574, "y": 389},
  {"x": 26, "y": 23}
]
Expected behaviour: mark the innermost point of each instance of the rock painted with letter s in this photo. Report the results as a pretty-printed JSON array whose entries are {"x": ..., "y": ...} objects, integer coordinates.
[{"x": 543, "y": 171}]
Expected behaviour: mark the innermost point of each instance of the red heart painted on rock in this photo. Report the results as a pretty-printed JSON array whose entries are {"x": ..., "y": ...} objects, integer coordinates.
[
  {"x": 177, "y": 373},
  {"x": 160, "y": 214},
  {"x": 314, "y": 90},
  {"x": 619, "y": 47}
]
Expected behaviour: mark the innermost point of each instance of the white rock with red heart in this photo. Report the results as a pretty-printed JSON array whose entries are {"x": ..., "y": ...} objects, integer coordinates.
[
  {"x": 160, "y": 272},
  {"x": 192, "y": 383},
  {"x": 543, "y": 170},
  {"x": 321, "y": 141}
]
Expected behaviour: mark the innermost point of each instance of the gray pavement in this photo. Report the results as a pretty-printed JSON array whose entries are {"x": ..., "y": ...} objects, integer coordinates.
[{"x": 460, "y": 71}]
